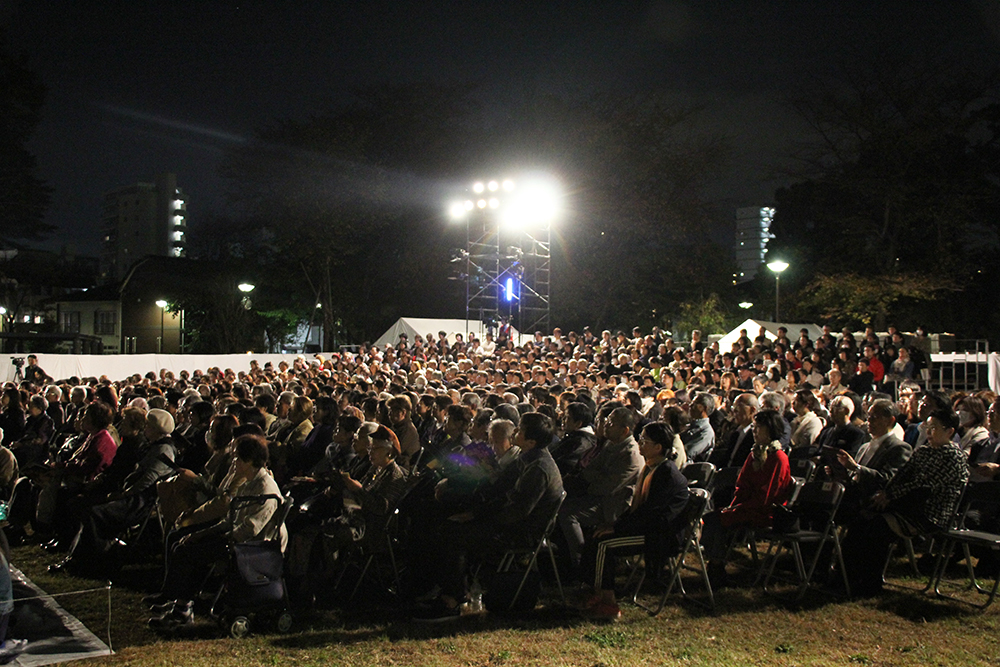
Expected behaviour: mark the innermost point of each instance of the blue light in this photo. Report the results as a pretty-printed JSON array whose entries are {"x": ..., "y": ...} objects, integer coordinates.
[{"x": 510, "y": 289}]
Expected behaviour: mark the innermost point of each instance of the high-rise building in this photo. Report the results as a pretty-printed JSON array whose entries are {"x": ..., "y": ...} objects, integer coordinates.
[
  {"x": 753, "y": 231},
  {"x": 140, "y": 220}
]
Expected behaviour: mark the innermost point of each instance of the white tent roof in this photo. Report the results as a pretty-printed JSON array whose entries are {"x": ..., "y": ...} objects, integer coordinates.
[
  {"x": 771, "y": 331},
  {"x": 412, "y": 326}
]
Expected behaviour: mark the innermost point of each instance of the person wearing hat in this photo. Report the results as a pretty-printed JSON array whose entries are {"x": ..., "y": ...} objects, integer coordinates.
[{"x": 101, "y": 525}]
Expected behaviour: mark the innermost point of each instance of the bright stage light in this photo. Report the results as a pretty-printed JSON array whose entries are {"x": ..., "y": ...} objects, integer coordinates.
[
  {"x": 481, "y": 203},
  {"x": 478, "y": 187},
  {"x": 494, "y": 202},
  {"x": 537, "y": 202},
  {"x": 493, "y": 185},
  {"x": 457, "y": 210},
  {"x": 469, "y": 205},
  {"x": 508, "y": 185}
]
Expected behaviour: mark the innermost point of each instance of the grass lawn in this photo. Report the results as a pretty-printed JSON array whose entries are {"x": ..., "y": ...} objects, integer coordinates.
[{"x": 748, "y": 628}]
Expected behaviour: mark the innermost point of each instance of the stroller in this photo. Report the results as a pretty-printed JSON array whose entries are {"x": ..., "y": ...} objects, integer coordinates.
[{"x": 252, "y": 593}]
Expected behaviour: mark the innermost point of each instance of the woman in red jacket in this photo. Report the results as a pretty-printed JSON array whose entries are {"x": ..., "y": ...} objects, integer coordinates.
[{"x": 763, "y": 483}]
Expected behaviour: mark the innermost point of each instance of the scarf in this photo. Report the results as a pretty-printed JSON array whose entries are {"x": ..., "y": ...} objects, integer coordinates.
[{"x": 760, "y": 453}]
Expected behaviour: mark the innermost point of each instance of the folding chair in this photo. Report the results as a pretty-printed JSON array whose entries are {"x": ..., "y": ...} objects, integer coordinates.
[
  {"x": 691, "y": 543},
  {"x": 804, "y": 468},
  {"x": 367, "y": 555},
  {"x": 747, "y": 535},
  {"x": 934, "y": 539},
  {"x": 699, "y": 475},
  {"x": 979, "y": 496},
  {"x": 817, "y": 505},
  {"x": 512, "y": 554}
]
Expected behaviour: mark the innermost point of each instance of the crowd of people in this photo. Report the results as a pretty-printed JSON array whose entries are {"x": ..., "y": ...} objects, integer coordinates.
[{"x": 479, "y": 444}]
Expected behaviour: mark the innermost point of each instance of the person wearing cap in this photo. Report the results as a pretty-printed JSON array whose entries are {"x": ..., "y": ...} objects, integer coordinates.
[{"x": 102, "y": 524}]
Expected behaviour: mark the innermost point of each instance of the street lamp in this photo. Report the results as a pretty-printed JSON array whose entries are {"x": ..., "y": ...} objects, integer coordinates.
[
  {"x": 777, "y": 266},
  {"x": 163, "y": 308},
  {"x": 746, "y": 305},
  {"x": 246, "y": 288}
]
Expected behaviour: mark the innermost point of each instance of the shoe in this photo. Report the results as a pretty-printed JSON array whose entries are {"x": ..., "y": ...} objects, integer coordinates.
[
  {"x": 155, "y": 599},
  {"x": 62, "y": 566},
  {"x": 603, "y": 611},
  {"x": 179, "y": 615},
  {"x": 12, "y": 648},
  {"x": 437, "y": 612}
]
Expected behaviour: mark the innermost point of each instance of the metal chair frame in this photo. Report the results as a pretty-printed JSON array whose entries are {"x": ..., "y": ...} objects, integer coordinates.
[
  {"x": 693, "y": 513},
  {"x": 509, "y": 557},
  {"x": 822, "y": 499}
]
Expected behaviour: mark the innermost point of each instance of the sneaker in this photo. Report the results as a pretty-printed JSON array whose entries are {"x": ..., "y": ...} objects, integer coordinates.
[
  {"x": 179, "y": 615},
  {"x": 12, "y": 648},
  {"x": 603, "y": 611},
  {"x": 437, "y": 612}
]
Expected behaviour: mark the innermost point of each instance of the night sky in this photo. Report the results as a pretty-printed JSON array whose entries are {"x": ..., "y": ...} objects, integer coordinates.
[{"x": 136, "y": 88}]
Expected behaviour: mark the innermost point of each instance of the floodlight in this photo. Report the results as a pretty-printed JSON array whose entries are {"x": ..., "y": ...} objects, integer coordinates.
[
  {"x": 493, "y": 185},
  {"x": 469, "y": 205},
  {"x": 508, "y": 185},
  {"x": 478, "y": 187},
  {"x": 537, "y": 202},
  {"x": 457, "y": 210},
  {"x": 494, "y": 202},
  {"x": 481, "y": 203}
]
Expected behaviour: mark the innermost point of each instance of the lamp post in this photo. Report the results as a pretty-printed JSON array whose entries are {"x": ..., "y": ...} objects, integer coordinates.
[
  {"x": 777, "y": 267},
  {"x": 159, "y": 343},
  {"x": 246, "y": 288}
]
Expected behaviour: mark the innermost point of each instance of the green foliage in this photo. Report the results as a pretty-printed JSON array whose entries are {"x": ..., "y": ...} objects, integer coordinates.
[
  {"x": 868, "y": 300},
  {"x": 707, "y": 315}
]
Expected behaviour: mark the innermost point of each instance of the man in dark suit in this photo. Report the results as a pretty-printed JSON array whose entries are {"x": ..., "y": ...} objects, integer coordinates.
[
  {"x": 738, "y": 443},
  {"x": 840, "y": 433},
  {"x": 877, "y": 462},
  {"x": 579, "y": 437}
]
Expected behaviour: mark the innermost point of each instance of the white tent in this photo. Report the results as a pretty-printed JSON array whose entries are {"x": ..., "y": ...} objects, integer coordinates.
[
  {"x": 412, "y": 326},
  {"x": 771, "y": 331}
]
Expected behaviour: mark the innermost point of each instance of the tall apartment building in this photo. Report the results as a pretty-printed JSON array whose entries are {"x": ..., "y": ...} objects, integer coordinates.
[
  {"x": 140, "y": 220},
  {"x": 753, "y": 231}
]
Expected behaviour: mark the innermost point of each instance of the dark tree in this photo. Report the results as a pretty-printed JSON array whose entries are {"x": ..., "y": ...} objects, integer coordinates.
[
  {"x": 899, "y": 188},
  {"x": 23, "y": 196},
  {"x": 346, "y": 209}
]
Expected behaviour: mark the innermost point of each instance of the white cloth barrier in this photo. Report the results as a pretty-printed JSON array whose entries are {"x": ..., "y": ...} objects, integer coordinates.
[{"x": 120, "y": 366}]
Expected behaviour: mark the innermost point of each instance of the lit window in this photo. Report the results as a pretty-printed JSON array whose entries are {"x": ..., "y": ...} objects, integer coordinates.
[
  {"x": 178, "y": 236},
  {"x": 38, "y": 319},
  {"x": 178, "y": 204},
  {"x": 177, "y": 252},
  {"x": 27, "y": 318}
]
